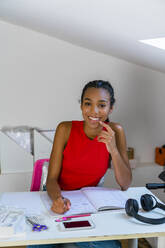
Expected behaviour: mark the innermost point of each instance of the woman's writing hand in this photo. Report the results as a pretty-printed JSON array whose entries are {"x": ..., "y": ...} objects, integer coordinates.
[
  {"x": 60, "y": 205},
  {"x": 107, "y": 137}
]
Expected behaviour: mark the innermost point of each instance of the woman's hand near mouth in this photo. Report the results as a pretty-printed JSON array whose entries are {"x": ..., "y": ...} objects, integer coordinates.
[{"x": 107, "y": 137}]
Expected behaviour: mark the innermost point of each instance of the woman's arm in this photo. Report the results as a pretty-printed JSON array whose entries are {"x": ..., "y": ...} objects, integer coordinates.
[
  {"x": 115, "y": 141},
  {"x": 60, "y": 205}
]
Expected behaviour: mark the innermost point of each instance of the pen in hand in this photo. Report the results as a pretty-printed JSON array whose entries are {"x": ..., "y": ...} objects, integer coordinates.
[
  {"x": 67, "y": 203},
  {"x": 61, "y": 205}
]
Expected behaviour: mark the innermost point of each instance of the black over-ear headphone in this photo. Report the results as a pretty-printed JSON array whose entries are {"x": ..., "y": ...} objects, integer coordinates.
[{"x": 148, "y": 203}]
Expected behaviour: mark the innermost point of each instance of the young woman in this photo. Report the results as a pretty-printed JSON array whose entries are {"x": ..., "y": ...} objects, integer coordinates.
[{"x": 82, "y": 151}]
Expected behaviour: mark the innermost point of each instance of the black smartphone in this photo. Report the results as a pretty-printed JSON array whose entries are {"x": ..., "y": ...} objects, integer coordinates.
[{"x": 76, "y": 225}]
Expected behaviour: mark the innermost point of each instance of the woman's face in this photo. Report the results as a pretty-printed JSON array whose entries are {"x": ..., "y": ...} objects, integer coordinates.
[{"x": 95, "y": 106}]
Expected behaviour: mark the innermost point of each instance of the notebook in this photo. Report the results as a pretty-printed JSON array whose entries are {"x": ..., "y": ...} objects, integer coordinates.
[{"x": 89, "y": 200}]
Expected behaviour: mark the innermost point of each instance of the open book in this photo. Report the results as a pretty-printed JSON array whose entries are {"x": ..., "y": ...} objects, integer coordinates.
[{"x": 89, "y": 200}]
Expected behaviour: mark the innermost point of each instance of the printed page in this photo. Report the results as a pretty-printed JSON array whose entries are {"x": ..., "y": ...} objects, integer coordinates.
[
  {"x": 79, "y": 203},
  {"x": 105, "y": 198}
]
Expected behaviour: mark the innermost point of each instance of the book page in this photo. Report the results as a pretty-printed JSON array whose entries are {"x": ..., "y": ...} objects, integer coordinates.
[
  {"x": 79, "y": 203},
  {"x": 105, "y": 198}
]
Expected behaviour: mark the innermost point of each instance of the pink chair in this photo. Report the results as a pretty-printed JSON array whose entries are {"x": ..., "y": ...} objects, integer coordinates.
[
  {"x": 36, "y": 183},
  {"x": 37, "y": 174}
]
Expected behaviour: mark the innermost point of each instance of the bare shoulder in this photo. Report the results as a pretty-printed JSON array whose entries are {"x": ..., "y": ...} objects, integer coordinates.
[
  {"x": 116, "y": 127},
  {"x": 119, "y": 135},
  {"x": 64, "y": 128},
  {"x": 65, "y": 125}
]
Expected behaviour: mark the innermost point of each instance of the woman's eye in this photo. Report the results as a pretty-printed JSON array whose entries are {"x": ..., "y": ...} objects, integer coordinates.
[
  {"x": 102, "y": 105},
  {"x": 87, "y": 103}
]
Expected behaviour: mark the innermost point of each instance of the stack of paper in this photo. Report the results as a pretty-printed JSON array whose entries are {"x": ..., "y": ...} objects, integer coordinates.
[
  {"x": 6, "y": 231},
  {"x": 10, "y": 221}
]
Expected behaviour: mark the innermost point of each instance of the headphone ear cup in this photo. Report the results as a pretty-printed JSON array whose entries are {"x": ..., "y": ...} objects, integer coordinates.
[
  {"x": 131, "y": 207},
  {"x": 147, "y": 202}
]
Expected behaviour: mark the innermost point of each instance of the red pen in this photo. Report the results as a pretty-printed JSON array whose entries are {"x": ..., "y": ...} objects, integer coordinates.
[{"x": 72, "y": 216}]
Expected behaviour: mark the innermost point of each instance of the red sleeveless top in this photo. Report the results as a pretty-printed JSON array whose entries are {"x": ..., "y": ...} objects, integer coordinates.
[{"x": 85, "y": 161}]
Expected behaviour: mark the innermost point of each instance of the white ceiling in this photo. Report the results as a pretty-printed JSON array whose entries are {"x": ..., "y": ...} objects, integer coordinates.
[{"x": 113, "y": 27}]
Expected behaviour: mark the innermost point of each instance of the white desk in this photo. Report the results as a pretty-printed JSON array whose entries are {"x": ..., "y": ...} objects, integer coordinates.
[{"x": 109, "y": 225}]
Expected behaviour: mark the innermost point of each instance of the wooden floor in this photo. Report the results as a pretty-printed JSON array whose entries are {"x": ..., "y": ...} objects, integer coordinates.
[{"x": 142, "y": 243}]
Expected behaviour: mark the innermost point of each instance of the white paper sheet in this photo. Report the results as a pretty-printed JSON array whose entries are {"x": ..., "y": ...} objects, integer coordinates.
[{"x": 29, "y": 201}]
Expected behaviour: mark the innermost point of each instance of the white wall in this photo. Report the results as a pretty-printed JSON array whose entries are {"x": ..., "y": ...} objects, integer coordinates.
[
  {"x": 41, "y": 80},
  {"x": 15, "y": 182}
]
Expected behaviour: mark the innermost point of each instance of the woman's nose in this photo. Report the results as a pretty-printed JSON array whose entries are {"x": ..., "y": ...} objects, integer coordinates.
[{"x": 94, "y": 109}]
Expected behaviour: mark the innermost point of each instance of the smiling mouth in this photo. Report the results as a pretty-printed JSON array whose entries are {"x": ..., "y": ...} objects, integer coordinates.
[{"x": 94, "y": 118}]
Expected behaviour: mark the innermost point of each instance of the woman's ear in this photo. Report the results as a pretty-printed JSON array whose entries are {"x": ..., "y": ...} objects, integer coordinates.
[{"x": 111, "y": 109}]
